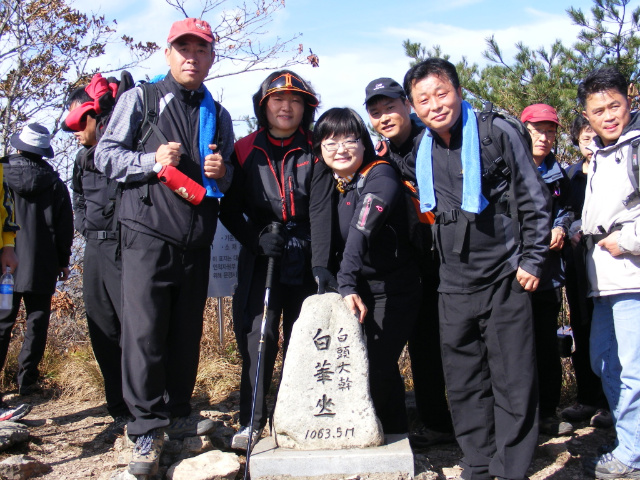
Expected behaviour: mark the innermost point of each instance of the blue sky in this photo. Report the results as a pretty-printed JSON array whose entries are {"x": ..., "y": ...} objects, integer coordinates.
[{"x": 359, "y": 41}]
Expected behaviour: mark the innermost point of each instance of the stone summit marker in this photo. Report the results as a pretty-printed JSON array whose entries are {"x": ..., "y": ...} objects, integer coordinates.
[
  {"x": 324, "y": 401},
  {"x": 324, "y": 422}
]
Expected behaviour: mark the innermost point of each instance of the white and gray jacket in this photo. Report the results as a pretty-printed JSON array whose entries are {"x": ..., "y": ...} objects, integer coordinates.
[{"x": 608, "y": 184}]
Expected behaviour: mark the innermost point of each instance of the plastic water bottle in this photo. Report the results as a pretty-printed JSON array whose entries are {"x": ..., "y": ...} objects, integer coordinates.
[{"x": 6, "y": 291}]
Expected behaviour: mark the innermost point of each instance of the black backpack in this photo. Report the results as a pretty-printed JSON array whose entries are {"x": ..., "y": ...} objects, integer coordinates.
[
  {"x": 495, "y": 167},
  {"x": 107, "y": 104}
]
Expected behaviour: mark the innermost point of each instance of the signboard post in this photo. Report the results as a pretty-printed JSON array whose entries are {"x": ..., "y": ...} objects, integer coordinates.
[{"x": 223, "y": 271}]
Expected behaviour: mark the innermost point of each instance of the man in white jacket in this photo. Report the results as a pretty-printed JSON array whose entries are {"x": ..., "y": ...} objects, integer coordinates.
[{"x": 611, "y": 231}]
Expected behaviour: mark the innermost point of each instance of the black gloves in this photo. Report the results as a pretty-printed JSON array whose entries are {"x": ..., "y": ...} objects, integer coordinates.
[
  {"x": 271, "y": 244},
  {"x": 324, "y": 279}
]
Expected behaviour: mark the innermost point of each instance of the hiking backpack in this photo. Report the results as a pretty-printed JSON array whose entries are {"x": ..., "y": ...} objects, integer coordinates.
[
  {"x": 417, "y": 221},
  {"x": 495, "y": 167}
]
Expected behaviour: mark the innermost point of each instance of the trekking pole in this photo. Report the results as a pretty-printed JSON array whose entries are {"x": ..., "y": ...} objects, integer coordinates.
[{"x": 273, "y": 228}]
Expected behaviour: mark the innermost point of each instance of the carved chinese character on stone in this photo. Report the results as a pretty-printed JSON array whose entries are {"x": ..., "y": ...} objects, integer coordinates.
[{"x": 324, "y": 401}]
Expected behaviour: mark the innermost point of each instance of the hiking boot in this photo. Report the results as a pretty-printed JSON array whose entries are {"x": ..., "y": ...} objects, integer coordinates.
[
  {"x": 578, "y": 412},
  {"x": 602, "y": 419},
  {"x": 424, "y": 437},
  {"x": 240, "y": 440},
  {"x": 553, "y": 427},
  {"x": 192, "y": 426},
  {"x": 116, "y": 428},
  {"x": 609, "y": 467},
  {"x": 24, "y": 390},
  {"x": 13, "y": 413},
  {"x": 146, "y": 453}
]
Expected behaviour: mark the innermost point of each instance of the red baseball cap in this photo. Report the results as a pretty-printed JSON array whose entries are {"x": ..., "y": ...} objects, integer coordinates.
[
  {"x": 540, "y": 112},
  {"x": 191, "y": 26}
]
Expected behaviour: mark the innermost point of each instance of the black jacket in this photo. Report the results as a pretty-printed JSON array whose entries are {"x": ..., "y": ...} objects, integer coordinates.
[
  {"x": 147, "y": 205},
  {"x": 43, "y": 211},
  {"x": 94, "y": 197},
  {"x": 578, "y": 181},
  {"x": 562, "y": 216},
  {"x": 494, "y": 247},
  {"x": 279, "y": 181},
  {"x": 374, "y": 233}
]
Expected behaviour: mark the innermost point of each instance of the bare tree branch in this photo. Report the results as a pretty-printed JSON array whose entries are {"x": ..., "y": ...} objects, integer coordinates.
[{"x": 237, "y": 33}]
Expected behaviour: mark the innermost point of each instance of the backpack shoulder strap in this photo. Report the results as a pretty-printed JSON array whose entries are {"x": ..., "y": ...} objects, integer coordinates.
[
  {"x": 362, "y": 174},
  {"x": 149, "y": 123},
  {"x": 633, "y": 169},
  {"x": 493, "y": 163}
]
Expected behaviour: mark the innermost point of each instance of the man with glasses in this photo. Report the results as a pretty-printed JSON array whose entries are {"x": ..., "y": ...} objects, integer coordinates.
[
  {"x": 542, "y": 122},
  {"x": 389, "y": 113}
]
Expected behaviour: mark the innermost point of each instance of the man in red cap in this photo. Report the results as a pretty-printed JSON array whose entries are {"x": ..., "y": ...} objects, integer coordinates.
[
  {"x": 542, "y": 122},
  {"x": 165, "y": 239}
]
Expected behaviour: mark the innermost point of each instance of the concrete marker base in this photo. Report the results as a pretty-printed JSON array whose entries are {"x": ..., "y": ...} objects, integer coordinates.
[{"x": 395, "y": 456}]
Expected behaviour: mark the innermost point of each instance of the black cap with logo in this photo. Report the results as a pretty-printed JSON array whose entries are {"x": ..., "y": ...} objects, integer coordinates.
[{"x": 387, "y": 87}]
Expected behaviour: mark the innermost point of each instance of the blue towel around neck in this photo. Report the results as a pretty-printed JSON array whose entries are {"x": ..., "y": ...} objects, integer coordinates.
[
  {"x": 206, "y": 136},
  {"x": 472, "y": 199}
]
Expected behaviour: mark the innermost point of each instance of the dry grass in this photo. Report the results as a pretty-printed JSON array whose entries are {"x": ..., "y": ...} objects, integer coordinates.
[
  {"x": 78, "y": 376},
  {"x": 69, "y": 368},
  {"x": 220, "y": 364}
]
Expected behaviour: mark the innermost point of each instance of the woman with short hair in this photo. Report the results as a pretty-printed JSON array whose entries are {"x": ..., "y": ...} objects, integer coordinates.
[{"x": 378, "y": 275}]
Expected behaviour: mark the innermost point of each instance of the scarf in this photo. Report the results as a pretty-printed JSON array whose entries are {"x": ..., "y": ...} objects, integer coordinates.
[
  {"x": 206, "y": 137},
  {"x": 472, "y": 199},
  {"x": 342, "y": 182}
]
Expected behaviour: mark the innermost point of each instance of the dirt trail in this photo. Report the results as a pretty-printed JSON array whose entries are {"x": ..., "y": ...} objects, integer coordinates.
[{"x": 68, "y": 435}]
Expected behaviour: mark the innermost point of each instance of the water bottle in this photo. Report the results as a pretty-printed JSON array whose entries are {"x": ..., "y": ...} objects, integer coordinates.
[
  {"x": 6, "y": 291},
  {"x": 180, "y": 184}
]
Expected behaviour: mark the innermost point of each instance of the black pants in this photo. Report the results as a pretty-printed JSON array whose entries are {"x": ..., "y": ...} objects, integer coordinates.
[
  {"x": 164, "y": 289},
  {"x": 102, "y": 295},
  {"x": 489, "y": 364},
  {"x": 426, "y": 358},
  {"x": 546, "y": 307},
  {"x": 387, "y": 327},
  {"x": 580, "y": 312},
  {"x": 248, "y": 308},
  {"x": 38, "y": 309}
]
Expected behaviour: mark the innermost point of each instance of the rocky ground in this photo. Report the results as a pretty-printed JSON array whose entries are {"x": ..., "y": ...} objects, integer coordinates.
[{"x": 68, "y": 436}]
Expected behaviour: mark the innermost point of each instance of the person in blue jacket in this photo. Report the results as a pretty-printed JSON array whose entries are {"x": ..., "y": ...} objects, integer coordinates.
[{"x": 542, "y": 122}]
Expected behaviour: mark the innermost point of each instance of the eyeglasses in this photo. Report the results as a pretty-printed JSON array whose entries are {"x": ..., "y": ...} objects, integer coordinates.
[
  {"x": 585, "y": 140},
  {"x": 335, "y": 146},
  {"x": 535, "y": 133},
  {"x": 290, "y": 83}
]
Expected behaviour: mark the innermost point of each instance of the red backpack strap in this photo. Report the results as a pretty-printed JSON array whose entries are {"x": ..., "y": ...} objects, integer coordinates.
[
  {"x": 424, "y": 217},
  {"x": 367, "y": 168}
]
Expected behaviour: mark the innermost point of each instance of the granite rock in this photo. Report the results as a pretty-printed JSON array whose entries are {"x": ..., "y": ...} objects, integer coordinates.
[{"x": 324, "y": 401}]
